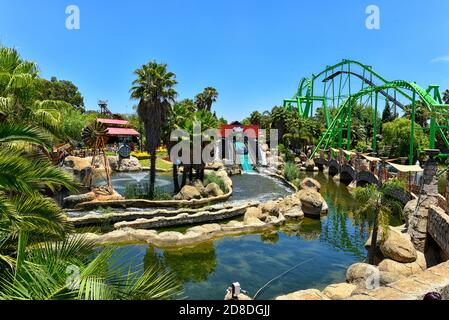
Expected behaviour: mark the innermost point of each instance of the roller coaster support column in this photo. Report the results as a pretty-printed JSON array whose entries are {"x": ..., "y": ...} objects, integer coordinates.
[
  {"x": 348, "y": 143},
  {"x": 375, "y": 123},
  {"x": 412, "y": 129}
]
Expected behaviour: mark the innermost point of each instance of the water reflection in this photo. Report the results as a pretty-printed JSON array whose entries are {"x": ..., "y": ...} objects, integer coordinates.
[
  {"x": 188, "y": 264},
  {"x": 334, "y": 243}
]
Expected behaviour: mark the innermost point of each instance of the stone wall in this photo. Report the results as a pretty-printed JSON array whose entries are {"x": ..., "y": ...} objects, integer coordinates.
[{"x": 438, "y": 228}]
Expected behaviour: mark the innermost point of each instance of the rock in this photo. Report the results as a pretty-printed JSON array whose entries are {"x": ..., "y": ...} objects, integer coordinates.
[
  {"x": 404, "y": 269},
  {"x": 389, "y": 277},
  {"x": 312, "y": 203},
  {"x": 398, "y": 248},
  {"x": 254, "y": 212},
  {"x": 409, "y": 210},
  {"x": 198, "y": 184},
  {"x": 359, "y": 272},
  {"x": 417, "y": 227},
  {"x": 213, "y": 190},
  {"x": 309, "y": 165},
  {"x": 311, "y": 294},
  {"x": 290, "y": 207},
  {"x": 188, "y": 193},
  {"x": 131, "y": 164},
  {"x": 270, "y": 208},
  {"x": 77, "y": 163},
  {"x": 309, "y": 183},
  {"x": 72, "y": 201},
  {"x": 339, "y": 291}
]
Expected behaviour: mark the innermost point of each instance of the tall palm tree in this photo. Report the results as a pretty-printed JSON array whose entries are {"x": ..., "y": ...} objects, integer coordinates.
[
  {"x": 154, "y": 88},
  {"x": 205, "y": 99}
]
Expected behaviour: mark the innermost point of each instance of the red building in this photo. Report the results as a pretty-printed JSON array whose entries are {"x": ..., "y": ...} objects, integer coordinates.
[{"x": 119, "y": 131}]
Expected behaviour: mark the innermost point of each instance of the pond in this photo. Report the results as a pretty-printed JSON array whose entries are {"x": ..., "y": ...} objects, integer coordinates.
[{"x": 326, "y": 248}]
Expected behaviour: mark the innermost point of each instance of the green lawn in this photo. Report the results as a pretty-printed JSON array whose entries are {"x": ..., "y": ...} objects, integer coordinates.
[{"x": 160, "y": 164}]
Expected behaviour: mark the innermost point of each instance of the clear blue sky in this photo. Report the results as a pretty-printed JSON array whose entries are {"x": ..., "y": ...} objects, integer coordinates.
[{"x": 253, "y": 51}]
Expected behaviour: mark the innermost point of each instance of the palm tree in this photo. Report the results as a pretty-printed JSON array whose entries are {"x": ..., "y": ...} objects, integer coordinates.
[
  {"x": 153, "y": 87},
  {"x": 446, "y": 96},
  {"x": 25, "y": 214},
  {"x": 377, "y": 207},
  {"x": 205, "y": 99},
  {"x": 61, "y": 270}
]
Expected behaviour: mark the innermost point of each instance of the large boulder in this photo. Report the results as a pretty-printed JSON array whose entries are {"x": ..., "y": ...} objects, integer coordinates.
[
  {"x": 213, "y": 190},
  {"x": 131, "y": 164},
  {"x": 339, "y": 291},
  {"x": 254, "y": 212},
  {"x": 360, "y": 272},
  {"x": 309, "y": 183},
  {"x": 76, "y": 163},
  {"x": 271, "y": 208},
  {"x": 398, "y": 247},
  {"x": 198, "y": 184},
  {"x": 72, "y": 201},
  {"x": 290, "y": 207},
  {"x": 404, "y": 269},
  {"x": 188, "y": 193},
  {"x": 312, "y": 203}
]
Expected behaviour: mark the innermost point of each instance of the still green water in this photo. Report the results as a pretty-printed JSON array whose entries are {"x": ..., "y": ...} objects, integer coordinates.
[{"x": 206, "y": 270}]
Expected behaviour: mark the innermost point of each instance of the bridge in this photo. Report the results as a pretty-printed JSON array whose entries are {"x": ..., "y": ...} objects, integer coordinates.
[{"x": 336, "y": 90}]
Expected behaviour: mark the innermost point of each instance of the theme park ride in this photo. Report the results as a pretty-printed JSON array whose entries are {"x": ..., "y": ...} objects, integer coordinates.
[{"x": 341, "y": 86}]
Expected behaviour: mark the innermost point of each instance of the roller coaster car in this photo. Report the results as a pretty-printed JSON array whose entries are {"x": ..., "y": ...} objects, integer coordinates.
[{"x": 61, "y": 151}]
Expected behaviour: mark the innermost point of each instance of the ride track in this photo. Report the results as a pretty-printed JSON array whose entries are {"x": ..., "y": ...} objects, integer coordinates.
[{"x": 338, "y": 92}]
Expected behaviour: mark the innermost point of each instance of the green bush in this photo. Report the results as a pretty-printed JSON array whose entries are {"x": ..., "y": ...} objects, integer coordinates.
[
  {"x": 291, "y": 171},
  {"x": 213, "y": 178},
  {"x": 141, "y": 191}
]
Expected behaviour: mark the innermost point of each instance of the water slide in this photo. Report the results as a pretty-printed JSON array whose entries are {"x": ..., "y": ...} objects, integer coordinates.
[{"x": 240, "y": 149}]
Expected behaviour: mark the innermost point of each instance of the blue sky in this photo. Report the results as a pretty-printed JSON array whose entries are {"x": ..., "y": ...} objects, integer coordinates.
[{"x": 253, "y": 51}]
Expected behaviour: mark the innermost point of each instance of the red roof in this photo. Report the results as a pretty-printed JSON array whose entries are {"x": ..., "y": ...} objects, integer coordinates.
[
  {"x": 122, "y": 132},
  {"x": 113, "y": 121}
]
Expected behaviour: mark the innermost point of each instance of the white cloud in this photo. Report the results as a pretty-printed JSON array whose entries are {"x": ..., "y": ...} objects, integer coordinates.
[{"x": 440, "y": 59}]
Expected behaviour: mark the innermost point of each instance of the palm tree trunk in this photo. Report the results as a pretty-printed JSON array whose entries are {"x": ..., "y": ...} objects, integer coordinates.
[
  {"x": 175, "y": 179},
  {"x": 152, "y": 173},
  {"x": 184, "y": 177},
  {"x": 373, "y": 248}
]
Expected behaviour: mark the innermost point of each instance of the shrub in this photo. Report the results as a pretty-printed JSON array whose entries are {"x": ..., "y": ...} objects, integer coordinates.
[
  {"x": 140, "y": 155},
  {"x": 213, "y": 178},
  {"x": 141, "y": 191},
  {"x": 291, "y": 171}
]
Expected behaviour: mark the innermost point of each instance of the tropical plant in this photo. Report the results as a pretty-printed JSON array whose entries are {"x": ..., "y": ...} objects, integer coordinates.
[
  {"x": 377, "y": 207},
  {"x": 213, "y": 178},
  {"x": 62, "y": 270},
  {"x": 154, "y": 88},
  {"x": 396, "y": 138},
  {"x": 19, "y": 103},
  {"x": 59, "y": 90},
  {"x": 291, "y": 171},
  {"x": 205, "y": 99}
]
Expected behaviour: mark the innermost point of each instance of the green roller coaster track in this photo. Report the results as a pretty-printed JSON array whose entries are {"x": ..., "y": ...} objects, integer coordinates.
[{"x": 348, "y": 82}]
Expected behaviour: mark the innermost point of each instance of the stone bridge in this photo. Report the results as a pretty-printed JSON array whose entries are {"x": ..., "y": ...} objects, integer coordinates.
[{"x": 350, "y": 168}]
